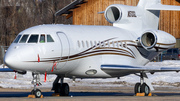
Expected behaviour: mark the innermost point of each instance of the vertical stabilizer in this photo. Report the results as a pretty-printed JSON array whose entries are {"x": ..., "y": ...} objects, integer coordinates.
[
  {"x": 150, "y": 18},
  {"x": 142, "y": 17}
]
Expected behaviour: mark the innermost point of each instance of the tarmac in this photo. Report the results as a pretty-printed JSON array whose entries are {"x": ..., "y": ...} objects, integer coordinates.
[{"x": 93, "y": 93}]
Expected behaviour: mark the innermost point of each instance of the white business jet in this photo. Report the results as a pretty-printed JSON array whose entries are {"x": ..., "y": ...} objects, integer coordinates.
[{"x": 78, "y": 51}]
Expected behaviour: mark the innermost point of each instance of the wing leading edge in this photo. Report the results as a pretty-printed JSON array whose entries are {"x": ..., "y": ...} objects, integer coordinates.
[
  {"x": 6, "y": 70},
  {"x": 138, "y": 69}
]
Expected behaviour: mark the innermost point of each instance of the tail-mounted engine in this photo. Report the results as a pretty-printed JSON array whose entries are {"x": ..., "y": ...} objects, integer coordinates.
[
  {"x": 148, "y": 40},
  {"x": 113, "y": 13},
  {"x": 120, "y": 13},
  {"x": 156, "y": 40}
]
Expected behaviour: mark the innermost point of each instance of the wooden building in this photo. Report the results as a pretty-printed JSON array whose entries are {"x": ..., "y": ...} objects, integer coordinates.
[{"x": 85, "y": 12}]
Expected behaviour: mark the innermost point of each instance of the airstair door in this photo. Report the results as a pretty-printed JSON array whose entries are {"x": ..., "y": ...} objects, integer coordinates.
[{"x": 65, "y": 50}]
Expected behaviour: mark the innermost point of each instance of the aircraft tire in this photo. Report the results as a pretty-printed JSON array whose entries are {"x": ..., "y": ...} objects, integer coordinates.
[
  {"x": 57, "y": 88},
  {"x": 137, "y": 88},
  {"x": 145, "y": 89},
  {"x": 37, "y": 93},
  {"x": 32, "y": 92},
  {"x": 64, "y": 89}
]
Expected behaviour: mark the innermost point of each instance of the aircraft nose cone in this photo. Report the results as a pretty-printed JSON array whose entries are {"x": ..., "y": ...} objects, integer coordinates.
[{"x": 10, "y": 61}]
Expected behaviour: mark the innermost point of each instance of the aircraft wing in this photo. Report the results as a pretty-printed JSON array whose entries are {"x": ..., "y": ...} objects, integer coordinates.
[
  {"x": 138, "y": 69},
  {"x": 6, "y": 70},
  {"x": 163, "y": 7}
]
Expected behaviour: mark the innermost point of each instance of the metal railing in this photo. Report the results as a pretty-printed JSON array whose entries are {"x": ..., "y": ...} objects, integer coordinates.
[{"x": 2, "y": 53}]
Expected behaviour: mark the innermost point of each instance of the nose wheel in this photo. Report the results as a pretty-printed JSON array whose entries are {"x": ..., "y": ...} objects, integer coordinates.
[{"x": 36, "y": 92}]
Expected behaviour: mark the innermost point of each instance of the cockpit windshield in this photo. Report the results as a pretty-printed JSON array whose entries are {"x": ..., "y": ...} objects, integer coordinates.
[
  {"x": 49, "y": 39},
  {"x": 17, "y": 39},
  {"x": 24, "y": 38},
  {"x": 33, "y": 38},
  {"x": 42, "y": 38}
]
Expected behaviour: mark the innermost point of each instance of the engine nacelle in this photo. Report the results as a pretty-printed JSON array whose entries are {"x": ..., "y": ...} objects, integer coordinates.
[
  {"x": 156, "y": 40},
  {"x": 116, "y": 12}
]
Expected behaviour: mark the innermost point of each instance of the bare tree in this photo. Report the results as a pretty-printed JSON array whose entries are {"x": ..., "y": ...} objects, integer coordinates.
[{"x": 17, "y": 15}]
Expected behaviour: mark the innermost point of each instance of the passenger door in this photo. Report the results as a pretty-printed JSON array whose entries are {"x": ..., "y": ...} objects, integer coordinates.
[{"x": 65, "y": 49}]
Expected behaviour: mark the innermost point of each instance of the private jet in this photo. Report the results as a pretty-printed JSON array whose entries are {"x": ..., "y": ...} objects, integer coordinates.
[{"x": 80, "y": 51}]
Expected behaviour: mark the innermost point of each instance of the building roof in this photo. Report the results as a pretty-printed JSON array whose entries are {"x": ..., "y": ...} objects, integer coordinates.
[{"x": 67, "y": 10}]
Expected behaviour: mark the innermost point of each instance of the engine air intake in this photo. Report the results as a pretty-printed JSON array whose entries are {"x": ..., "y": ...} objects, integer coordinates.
[
  {"x": 148, "y": 40},
  {"x": 113, "y": 14}
]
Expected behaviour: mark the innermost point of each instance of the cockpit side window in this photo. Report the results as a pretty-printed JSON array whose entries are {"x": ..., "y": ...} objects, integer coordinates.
[
  {"x": 17, "y": 39},
  {"x": 33, "y": 39},
  {"x": 42, "y": 38},
  {"x": 49, "y": 39},
  {"x": 24, "y": 38}
]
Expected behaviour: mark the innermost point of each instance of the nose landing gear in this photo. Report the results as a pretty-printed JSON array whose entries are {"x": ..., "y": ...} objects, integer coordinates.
[{"x": 36, "y": 82}]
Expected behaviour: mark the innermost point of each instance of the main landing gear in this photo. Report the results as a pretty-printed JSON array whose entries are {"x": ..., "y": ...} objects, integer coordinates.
[
  {"x": 142, "y": 87},
  {"x": 36, "y": 82},
  {"x": 60, "y": 88}
]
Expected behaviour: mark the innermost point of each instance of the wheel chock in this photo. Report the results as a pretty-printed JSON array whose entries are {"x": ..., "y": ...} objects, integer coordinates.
[
  {"x": 150, "y": 94},
  {"x": 140, "y": 94},
  {"x": 33, "y": 96},
  {"x": 55, "y": 94},
  {"x": 143, "y": 94}
]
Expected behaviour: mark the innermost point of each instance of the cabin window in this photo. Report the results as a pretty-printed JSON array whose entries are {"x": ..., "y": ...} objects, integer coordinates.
[
  {"x": 113, "y": 44},
  {"x": 24, "y": 38},
  {"x": 99, "y": 43},
  {"x": 17, "y": 39},
  {"x": 102, "y": 44},
  {"x": 49, "y": 38},
  {"x": 91, "y": 43},
  {"x": 95, "y": 43},
  {"x": 125, "y": 44},
  {"x": 79, "y": 44},
  {"x": 108, "y": 44},
  {"x": 117, "y": 44},
  {"x": 83, "y": 44},
  {"x": 121, "y": 44},
  {"x": 33, "y": 39},
  {"x": 42, "y": 38},
  {"x": 87, "y": 44}
]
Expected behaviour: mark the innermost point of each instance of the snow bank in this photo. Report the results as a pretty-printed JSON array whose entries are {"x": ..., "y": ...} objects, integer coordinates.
[{"x": 162, "y": 78}]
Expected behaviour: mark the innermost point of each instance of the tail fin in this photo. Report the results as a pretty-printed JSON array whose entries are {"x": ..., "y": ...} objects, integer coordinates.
[{"x": 151, "y": 10}]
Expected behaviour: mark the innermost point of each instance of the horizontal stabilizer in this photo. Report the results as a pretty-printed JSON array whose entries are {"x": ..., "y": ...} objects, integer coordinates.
[
  {"x": 102, "y": 12},
  {"x": 138, "y": 69},
  {"x": 6, "y": 70},
  {"x": 163, "y": 7}
]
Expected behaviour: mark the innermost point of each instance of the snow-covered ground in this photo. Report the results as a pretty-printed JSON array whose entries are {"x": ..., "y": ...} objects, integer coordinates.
[{"x": 159, "y": 79}]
